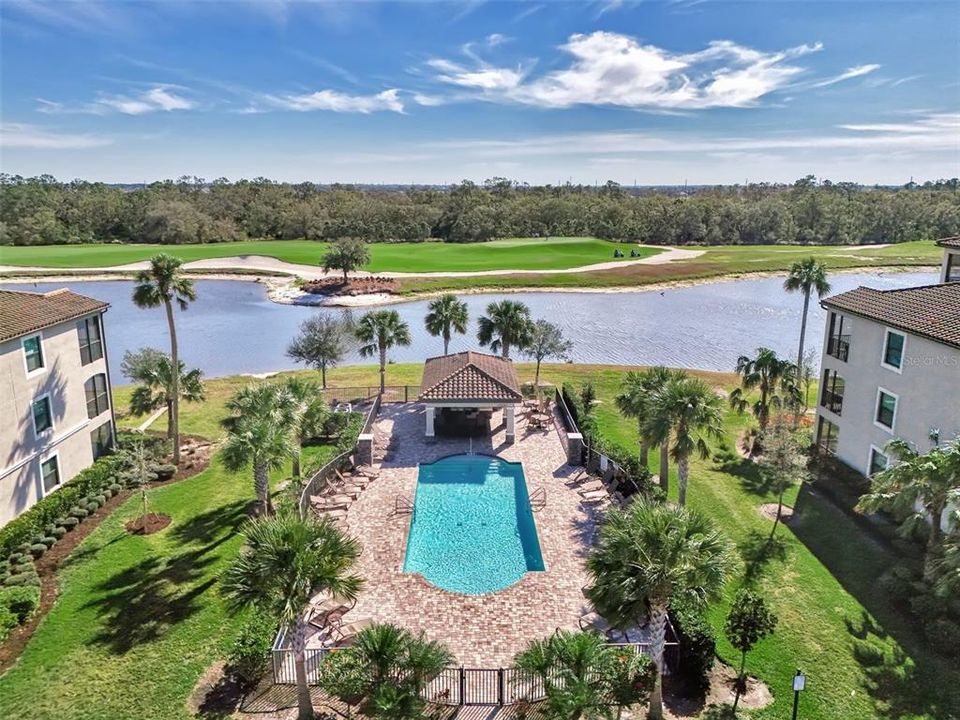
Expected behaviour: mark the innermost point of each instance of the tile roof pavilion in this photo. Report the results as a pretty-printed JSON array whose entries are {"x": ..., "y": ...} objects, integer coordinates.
[{"x": 470, "y": 377}]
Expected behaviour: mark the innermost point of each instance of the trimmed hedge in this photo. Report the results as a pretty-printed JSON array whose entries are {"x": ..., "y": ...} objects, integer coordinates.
[
  {"x": 21, "y": 601},
  {"x": 249, "y": 655},
  {"x": 698, "y": 648}
]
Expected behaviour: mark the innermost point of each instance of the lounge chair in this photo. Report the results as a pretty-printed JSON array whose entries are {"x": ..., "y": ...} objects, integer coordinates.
[
  {"x": 364, "y": 470},
  {"x": 344, "y": 633},
  {"x": 594, "y": 495},
  {"x": 358, "y": 481},
  {"x": 330, "y": 502},
  {"x": 592, "y": 486},
  {"x": 593, "y": 621},
  {"x": 331, "y": 609}
]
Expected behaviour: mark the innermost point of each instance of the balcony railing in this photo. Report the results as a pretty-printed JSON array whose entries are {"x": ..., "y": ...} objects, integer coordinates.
[
  {"x": 832, "y": 401},
  {"x": 839, "y": 347}
]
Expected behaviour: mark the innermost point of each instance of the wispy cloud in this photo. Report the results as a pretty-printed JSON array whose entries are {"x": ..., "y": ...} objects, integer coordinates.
[
  {"x": 324, "y": 64},
  {"x": 88, "y": 16},
  {"x": 333, "y": 101},
  {"x": 848, "y": 74},
  {"x": 21, "y": 135},
  {"x": 161, "y": 98},
  {"x": 527, "y": 12}
]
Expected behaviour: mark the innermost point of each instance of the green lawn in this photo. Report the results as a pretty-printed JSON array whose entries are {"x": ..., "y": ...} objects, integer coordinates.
[{"x": 510, "y": 254}]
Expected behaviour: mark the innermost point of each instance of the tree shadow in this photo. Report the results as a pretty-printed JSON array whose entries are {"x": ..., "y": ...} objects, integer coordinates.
[
  {"x": 213, "y": 527},
  {"x": 758, "y": 550}
]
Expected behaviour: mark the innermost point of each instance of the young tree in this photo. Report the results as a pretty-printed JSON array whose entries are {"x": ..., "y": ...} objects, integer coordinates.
[
  {"x": 806, "y": 276},
  {"x": 380, "y": 330},
  {"x": 775, "y": 380},
  {"x": 784, "y": 462},
  {"x": 506, "y": 324},
  {"x": 142, "y": 476},
  {"x": 286, "y": 560},
  {"x": 545, "y": 340},
  {"x": 636, "y": 395},
  {"x": 688, "y": 410},
  {"x": 163, "y": 283},
  {"x": 346, "y": 255},
  {"x": 260, "y": 434},
  {"x": 323, "y": 342},
  {"x": 153, "y": 371},
  {"x": 446, "y": 315},
  {"x": 748, "y": 622},
  {"x": 647, "y": 555}
]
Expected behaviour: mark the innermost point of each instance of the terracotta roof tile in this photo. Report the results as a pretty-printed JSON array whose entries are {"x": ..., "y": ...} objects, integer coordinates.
[
  {"x": 930, "y": 311},
  {"x": 470, "y": 376},
  {"x": 26, "y": 312},
  {"x": 951, "y": 242}
]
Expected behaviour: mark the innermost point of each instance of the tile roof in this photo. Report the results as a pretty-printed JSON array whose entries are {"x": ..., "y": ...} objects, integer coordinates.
[
  {"x": 951, "y": 242},
  {"x": 26, "y": 312},
  {"x": 930, "y": 311},
  {"x": 470, "y": 376}
]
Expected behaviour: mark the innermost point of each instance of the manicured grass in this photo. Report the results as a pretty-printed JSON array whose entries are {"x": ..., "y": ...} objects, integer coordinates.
[{"x": 509, "y": 254}]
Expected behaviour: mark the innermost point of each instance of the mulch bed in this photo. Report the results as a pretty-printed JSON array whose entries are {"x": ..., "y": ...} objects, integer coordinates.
[
  {"x": 148, "y": 524},
  {"x": 354, "y": 286}
]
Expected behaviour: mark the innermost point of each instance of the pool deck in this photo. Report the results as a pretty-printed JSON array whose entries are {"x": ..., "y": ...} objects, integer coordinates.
[{"x": 481, "y": 630}]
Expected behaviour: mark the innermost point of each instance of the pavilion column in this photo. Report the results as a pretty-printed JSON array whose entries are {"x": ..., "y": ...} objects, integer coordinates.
[
  {"x": 431, "y": 416},
  {"x": 508, "y": 413}
]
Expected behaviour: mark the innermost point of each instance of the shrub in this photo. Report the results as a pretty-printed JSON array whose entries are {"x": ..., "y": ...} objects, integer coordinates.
[
  {"x": 25, "y": 578},
  {"x": 16, "y": 557},
  {"x": 101, "y": 499},
  {"x": 8, "y": 621},
  {"x": 165, "y": 472},
  {"x": 21, "y": 601},
  {"x": 49, "y": 541},
  {"x": 38, "y": 550},
  {"x": 24, "y": 566},
  {"x": 698, "y": 648},
  {"x": 59, "y": 532},
  {"x": 115, "y": 488},
  {"x": 944, "y": 636},
  {"x": 249, "y": 655},
  {"x": 68, "y": 523},
  {"x": 925, "y": 605},
  {"x": 897, "y": 582},
  {"x": 79, "y": 513}
]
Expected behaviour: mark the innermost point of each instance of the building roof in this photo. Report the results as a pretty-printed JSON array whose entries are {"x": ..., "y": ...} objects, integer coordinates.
[
  {"x": 470, "y": 376},
  {"x": 930, "y": 311},
  {"x": 27, "y": 312},
  {"x": 951, "y": 242}
]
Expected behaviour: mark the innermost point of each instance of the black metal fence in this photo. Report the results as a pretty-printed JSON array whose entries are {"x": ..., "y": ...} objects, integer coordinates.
[{"x": 363, "y": 393}]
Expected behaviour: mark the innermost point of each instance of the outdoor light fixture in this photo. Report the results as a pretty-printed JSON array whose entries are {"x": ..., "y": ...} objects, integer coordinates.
[{"x": 799, "y": 683}]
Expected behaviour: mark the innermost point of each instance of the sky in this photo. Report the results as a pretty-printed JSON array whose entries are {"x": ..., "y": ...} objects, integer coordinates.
[{"x": 539, "y": 91}]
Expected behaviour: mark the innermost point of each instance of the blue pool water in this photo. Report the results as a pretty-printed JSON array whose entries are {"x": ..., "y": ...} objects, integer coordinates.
[{"x": 472, "y": 529}]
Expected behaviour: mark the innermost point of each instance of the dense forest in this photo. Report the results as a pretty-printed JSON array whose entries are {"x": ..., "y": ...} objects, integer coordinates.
[{"x": 39, "y": 211}]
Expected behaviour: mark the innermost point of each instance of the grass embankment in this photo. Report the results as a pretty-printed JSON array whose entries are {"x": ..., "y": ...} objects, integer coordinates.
[
  {"x": 508, "y": 254},
  {"x": 139, "y": 619}
]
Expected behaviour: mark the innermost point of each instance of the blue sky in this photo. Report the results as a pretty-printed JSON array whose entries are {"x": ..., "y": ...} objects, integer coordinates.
[{"x": 435, "y": 92}]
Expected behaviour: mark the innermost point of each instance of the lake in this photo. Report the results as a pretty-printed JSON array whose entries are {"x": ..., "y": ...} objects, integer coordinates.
[{"x": 233, "y": 328}]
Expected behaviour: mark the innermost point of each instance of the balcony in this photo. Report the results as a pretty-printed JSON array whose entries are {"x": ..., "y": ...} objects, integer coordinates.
[
  {"x": 839, "y": 347},
  {"x": 832, "y": 401}
]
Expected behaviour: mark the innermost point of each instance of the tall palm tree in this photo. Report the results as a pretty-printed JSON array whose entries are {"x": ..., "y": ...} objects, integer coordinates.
[
  {"x": 774, "y": 378},
  {"x": 260, "y": 434},
  {"x": 311, "y": 411},
  {"x": 380, "y": 330},
  {"x": 155, "y": 388},
  {"x": 689, "y": 410},
  {"x": 648, "y": 555},
  {"x": 918, "y": 488},
  {"x": 637, "y": 391},
  {"x": 806, "y": 276},
  {"x": 286, "y": 561},
  {"x": 506, "y": 325},
  {"x": 163, "y": 283},
  {"x": 447, "y": 315}
]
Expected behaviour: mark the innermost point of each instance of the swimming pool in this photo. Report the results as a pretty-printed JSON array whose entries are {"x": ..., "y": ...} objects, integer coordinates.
[{"x": 472, "y": 529}]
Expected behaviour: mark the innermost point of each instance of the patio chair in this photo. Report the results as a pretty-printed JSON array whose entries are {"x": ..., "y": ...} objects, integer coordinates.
[
  {"x": 357, "y": 481},
  {"x": 591, "y": 486},
  {"x": 330, "y": 502},
  {"x": 343, "y": 634},
  {"x": 322, "y": 613},
  {"x": 593, "y": 621},
  {"x": 336, "y": 489},
  {"x": 364, "y": 470},
  {"x": 594, "y": 495}
]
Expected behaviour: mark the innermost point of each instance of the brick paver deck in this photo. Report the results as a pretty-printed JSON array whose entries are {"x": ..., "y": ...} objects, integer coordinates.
[{"x": 481, "y": 630}]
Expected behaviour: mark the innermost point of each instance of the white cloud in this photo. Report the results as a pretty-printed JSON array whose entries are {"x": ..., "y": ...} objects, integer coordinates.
[
  {"x": 848, "y": 74},
  {"x": 333, "y": 101},
  {"x": 157, "y": 99},
  {"x": 34, "y": 137},
  {"x": 166, "y": 100},
  {"x": 614, "y": 69}
]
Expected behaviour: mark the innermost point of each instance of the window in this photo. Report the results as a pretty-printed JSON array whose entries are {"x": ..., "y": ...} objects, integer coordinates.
[
  {"x": 97, "y": 400},
  {"x": 33, "y": 353},
  {"x": 42, "y": 415},
  {"x": 50, "y": 472},
  {"x": 886, "y": 409},
  {"x": 831, "y": 396},
  {"x": 838, "y": 344},
  {"x": 91, "y": 342},
  {"x": 953, "y": 268},
  {"x": 828, "y": 435},
  {"x": 101, "y": 440},
  {"x": 893, "y": 350},
  {"x": 878, "y": 461}
]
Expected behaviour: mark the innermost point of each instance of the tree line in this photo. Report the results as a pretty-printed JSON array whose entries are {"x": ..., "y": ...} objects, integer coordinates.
[{"x": 43, "y": 211}]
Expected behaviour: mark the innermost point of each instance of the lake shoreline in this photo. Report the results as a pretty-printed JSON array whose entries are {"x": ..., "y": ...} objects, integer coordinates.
[{"x": 282, "y": 290}]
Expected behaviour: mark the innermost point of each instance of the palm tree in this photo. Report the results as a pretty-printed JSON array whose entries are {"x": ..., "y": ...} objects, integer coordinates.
[
  {"x": 918, "y": 488},
  {"x": 447, "y": 314},
  {"x": 286, "y": 561},
  {"x": 648, "y": 555},
  {"x": 806, "y": 276},
  {"x": 311, "y": 410},
  {"x": 380, "y": 330},
  {"x": 689, "y": 410},
  {"x": 774, "y": 378},
  {"x": 260, "y": 434},
  {"x": 155, "y": 389},
  {"x": 506, "y": 325},
  {"x": 163, "y": 283},
  {"x": 637, "y": 391}
]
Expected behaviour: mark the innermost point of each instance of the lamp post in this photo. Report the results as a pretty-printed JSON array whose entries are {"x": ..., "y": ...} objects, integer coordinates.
[{"x": 799, "y": 683}]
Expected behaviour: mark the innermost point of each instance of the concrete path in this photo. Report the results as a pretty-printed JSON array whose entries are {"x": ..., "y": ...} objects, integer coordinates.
[{"x": 151, "y": 420}]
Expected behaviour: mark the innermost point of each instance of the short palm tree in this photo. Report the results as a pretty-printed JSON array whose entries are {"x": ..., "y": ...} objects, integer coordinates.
[
  {"x": 380, "y": 330},
  {"x": 155, "y": 388},
  {"x": 637, "y": 391},
  {"x": 446, "y": 315},
  {"x": 775, "y": 380},
  {"x": 286, "y": 561},
  {"x": 647, "y": 556},
  {"x": 163, "y": 283},
  {"x": 260, "y": 434},
  {"x": 311, "y": 411},
  {"x": 806, "y": 276},
  {"x": 689, "y": 410},
  {"x": 917, "y": 490},
  {"x": 506, "y": 325}
]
